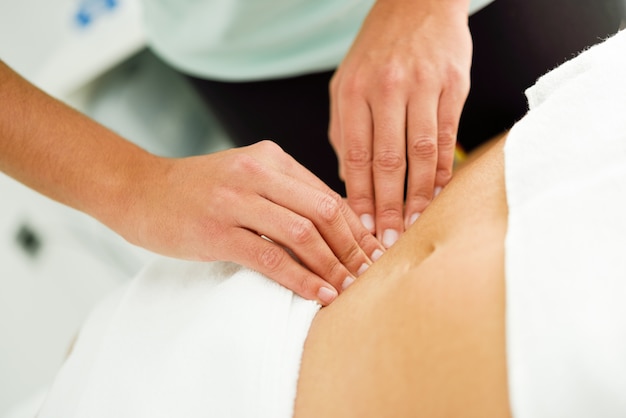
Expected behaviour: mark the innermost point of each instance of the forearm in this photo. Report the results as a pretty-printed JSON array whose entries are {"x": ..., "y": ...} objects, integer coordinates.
[
  {"x": 57, "y": 151},
  {"x": 210, "y": 207}
]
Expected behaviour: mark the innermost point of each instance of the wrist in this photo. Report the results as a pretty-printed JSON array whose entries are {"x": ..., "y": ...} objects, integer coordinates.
[{"x": 120, "y": 193}]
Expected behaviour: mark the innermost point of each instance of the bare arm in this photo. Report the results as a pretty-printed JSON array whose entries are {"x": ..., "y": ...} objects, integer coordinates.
[
  {"x": 213, "y": 207},
  {"x": 61, "y": 153}
]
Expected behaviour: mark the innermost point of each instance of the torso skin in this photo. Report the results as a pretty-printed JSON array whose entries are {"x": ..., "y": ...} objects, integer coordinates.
[{"x": 422, "y": 332}]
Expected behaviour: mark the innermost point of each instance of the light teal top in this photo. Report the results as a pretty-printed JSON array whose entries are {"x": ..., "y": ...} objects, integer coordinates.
[{"x": 239, "y": 40}]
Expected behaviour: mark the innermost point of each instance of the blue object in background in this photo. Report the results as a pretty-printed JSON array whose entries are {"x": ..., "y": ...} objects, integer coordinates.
[{"x": 89, "y": 10}]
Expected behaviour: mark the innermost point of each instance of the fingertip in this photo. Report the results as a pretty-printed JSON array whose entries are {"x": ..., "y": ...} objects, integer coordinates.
[
  {"x": 362, "y": 269},
  {"x": 417, "y": 203},
  {"x": 376, "y": 254},
  {"x": 347, "y": 282},
  {"x": 412, "y": 219},
  {"x": 390, "y": 236},
  {"x": 368, "y": 222},
  {"x": 326, "y": 295}
]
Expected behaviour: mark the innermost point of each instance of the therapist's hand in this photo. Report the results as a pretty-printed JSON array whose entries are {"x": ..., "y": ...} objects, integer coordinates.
[
  {"x": 211, "y": 207},
  {"x": 220, "y": 206},
  {"x": 395, "y": 99}
]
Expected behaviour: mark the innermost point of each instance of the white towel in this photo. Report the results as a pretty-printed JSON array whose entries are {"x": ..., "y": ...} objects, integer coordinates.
[
  {"x": 565, "y": 166},
  {"x": 187, "y": 339}
]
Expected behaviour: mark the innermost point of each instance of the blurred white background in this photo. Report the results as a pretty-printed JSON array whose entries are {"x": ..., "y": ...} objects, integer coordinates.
[{"x": 56, "y": 263}]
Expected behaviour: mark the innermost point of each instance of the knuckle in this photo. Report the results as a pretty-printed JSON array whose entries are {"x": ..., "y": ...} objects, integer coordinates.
[
  {"x": 389, "y": 161},
  {"x": 357, "y": 158},
  {"x": 421, "y": 198},
  {"x": 271, "y": 258},
  {"x": 446, "y": 136},
  {"x": 334, "y": 270},
  {"x": 390, "y": 213},
  {"x": 426, "y": 74},
  {"x": 246, "y": 164},
  {"x": 269, "y": 147},
  {"x": 349, "y": 253},
  {"x": 361, "y": 199},
  {"x": 301, "y": 231},
  {"x": 459, "y": 78},
  {"x": 391, "y": 77},
  {"x": 364, "y": 240},
  {"x": 336, "y": 197},
  {"x": 458, "y": 74},
  {"x": 454, "y": 73},
  {"x": 350, "y": 87},
  {"x": 329, "y": 207},
  {"x": 302, "y": 285},
  {"x": 423, "y": 148}
]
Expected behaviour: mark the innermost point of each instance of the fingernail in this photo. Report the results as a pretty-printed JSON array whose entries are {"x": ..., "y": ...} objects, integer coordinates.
[
  {"x": 414, "y": 218},
  {"x": 326, "y": 295},
  {"x": 362, "y": 269},
  {"x": 376, "y": 254},
  {"x": 438, "y": 190},
  {"x": 390, "y": 236},
  {"x": 368, "y": 222},
  {"x": 347, "y": 282}
]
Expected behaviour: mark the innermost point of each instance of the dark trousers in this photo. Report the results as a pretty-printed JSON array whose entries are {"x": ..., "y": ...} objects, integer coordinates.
[{"x": 515, "y": 42}]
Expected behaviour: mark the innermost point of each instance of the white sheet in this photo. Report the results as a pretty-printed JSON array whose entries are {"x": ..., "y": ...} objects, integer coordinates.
[
  {"x": 187, "y": 340},
  {"x": 566, "y": 243}
]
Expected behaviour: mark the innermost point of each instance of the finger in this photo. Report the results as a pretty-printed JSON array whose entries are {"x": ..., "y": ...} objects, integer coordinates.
[
  {"x": 324, "y": 210},
  {"x": 337, "y": 224},
  {"x": 450, "y": 108},
  {"x": 422, "y": 153},
  {"x": 389, "y": 167},
  {"x": 273, "y": 261},
  {"x": 334, "y": 126},
  {"x": 300, "y": 235},
  {"x": 290, "y": 167},
  {"x": 363, "y": 237},
  {"x": 356, "y": 157},
  {"x": 368, "y": 243}
]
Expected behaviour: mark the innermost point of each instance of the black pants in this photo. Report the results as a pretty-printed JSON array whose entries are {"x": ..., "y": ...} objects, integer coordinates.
[{"x": 515, "y": 42}]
